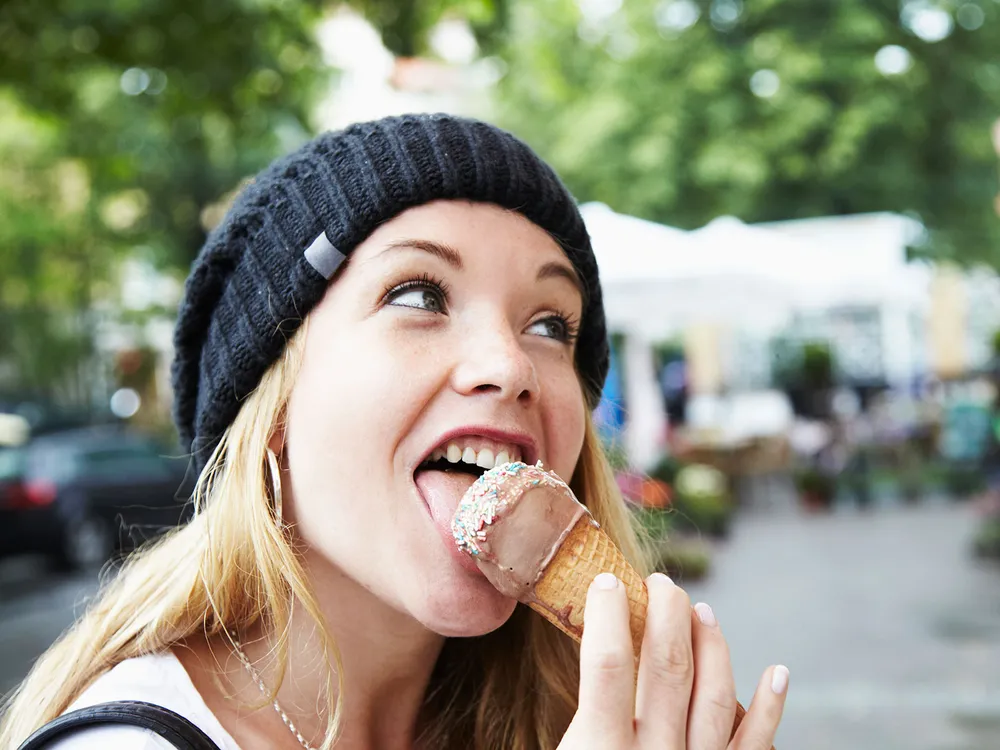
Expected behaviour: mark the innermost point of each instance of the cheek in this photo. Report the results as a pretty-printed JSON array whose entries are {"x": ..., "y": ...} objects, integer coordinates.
[
  {"x": 565, "y": 425},
  {"x": 354, "y": 399},
  {"x": 355, "y": 391},
  {"x": 340, "y": 419}
]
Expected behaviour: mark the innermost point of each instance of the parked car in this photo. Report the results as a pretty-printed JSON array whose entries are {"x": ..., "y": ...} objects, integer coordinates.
[{"x": 81, "y": 496}]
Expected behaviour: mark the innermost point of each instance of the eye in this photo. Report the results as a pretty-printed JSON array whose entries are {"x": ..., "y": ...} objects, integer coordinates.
[
  {"x": 422, "y": 299},
  {"x": 420, "y": 294},
  {"x": 556, "y": 327}
]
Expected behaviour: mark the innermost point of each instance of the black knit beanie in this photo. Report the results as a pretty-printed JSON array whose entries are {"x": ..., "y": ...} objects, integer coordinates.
[{"x": 268, "y": 263}]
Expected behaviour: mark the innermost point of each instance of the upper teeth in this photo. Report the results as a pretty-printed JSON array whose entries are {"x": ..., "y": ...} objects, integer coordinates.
[{"x": 484, "y": 457}]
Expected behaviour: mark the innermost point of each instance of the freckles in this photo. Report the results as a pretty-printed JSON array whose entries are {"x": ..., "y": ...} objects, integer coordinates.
[
  {"x": 402, "y": 340},
  {"x": 561, "y": 386},
  {"x": 415, "y": 358},
  {"x": 418, "y": 352}
]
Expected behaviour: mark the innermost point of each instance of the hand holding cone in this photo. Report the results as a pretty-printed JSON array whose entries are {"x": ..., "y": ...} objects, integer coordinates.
[{"x": 549, "y": 558}]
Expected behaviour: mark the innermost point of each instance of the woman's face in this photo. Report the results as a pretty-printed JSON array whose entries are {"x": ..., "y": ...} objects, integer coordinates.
[{"x": 448, "y": 335}]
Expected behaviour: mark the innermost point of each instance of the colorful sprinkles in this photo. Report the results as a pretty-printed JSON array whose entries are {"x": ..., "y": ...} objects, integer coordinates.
[{"x": 484, "y": 502}]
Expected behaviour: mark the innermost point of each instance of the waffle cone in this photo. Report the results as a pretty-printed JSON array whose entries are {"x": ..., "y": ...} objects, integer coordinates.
[
  {"x": 561, "y": 592},
  {"x": 586, "y": 552}
]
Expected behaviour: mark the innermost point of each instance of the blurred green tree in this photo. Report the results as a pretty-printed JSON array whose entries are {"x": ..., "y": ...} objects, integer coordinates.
[
  {"x": 166, "y": 105},
  {"x": 123, "y": 125},
  {"x": 49, "y": 259},
  {"x": 405, "y": 25},
  {"x": 681, "y": 110}
]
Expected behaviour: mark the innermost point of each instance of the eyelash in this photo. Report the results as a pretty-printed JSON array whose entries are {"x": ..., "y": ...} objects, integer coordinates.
[
  {"x": 423, "y": 281},
  {"x": 570, "y": 325}
]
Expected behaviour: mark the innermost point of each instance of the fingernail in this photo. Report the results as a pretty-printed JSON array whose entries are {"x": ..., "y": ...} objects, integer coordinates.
[
  {"x": 705, "y": 614},
  {"x": 779, "y": 679},
  {"x": 606, "y": 582},
  {"x": 663, "y": 578}
]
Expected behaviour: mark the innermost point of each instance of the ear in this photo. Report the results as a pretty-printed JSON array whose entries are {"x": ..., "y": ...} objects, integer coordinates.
[{"x": 277, "y": 440}]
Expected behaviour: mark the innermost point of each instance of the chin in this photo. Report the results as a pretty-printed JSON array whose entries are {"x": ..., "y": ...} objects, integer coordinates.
[{"x": 464, "y": 609}]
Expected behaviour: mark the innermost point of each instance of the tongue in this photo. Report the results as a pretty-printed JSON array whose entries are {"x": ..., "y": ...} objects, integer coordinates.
[{"x": 443, "y": 490}]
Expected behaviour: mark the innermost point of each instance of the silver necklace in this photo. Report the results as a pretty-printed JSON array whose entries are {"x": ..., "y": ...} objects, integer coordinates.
[{"x": 263, "y": 688}]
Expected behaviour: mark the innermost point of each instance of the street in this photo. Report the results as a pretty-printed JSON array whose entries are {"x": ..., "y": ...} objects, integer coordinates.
[
  {"x": 890, "y": 630},
  {"x": 35, "y": 607}
]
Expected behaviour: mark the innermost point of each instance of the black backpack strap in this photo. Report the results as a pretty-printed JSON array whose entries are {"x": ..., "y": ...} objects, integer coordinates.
[{"x": 172, "y": 727}]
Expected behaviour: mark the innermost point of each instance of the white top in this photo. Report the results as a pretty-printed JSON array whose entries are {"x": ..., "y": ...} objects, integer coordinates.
[{"x": 159, "y": 679}]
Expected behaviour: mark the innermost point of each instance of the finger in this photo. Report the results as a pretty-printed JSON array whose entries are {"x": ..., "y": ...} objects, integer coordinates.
[
  {"x": 759, "y": 726},
  {"x": 713, "y": 697},
  {"x": 666, "y": 666},
  {"x": 607, "y": 664}
]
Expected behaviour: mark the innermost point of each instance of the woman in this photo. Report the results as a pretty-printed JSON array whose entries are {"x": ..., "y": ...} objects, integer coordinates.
[{"x": 450, "y": 311}]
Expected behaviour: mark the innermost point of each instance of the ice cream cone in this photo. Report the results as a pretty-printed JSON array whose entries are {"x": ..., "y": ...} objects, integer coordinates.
[
  {"x": 537, "y": 543},
  {"x": 561, "y": 592}
]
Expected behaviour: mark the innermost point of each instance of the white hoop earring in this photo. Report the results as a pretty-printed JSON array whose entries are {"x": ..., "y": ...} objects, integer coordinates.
[{"x": 272, "y": 464}]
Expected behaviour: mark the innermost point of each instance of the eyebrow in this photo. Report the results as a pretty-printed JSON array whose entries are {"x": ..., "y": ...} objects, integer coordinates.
[
  {"x": 555, "y": 270},
  {"x": 447, "y": 253},
  {"x": 451, "y": 256}
]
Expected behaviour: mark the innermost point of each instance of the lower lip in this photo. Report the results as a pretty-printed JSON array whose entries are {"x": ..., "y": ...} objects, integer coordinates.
[{"x": 463, "y": 559}]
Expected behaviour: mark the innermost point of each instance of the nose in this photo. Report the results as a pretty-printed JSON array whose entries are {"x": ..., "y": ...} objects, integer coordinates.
[{"x": 493, "y": 361}]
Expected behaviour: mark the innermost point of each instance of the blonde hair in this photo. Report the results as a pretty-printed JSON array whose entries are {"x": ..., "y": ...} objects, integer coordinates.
[{"x": 231, "y": 565}]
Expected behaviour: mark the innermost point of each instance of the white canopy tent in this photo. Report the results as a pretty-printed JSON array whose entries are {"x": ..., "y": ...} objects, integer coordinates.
[
  {"x": 659, "y": 280},
  {"x": 866, "y": 259}
]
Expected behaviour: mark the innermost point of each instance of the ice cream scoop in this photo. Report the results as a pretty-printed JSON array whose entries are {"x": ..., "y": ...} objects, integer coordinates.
[{"x": 535, "y": 542}]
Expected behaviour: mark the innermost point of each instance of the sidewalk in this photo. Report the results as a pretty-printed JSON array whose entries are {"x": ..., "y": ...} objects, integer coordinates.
[{"x": 890, "y": 629}]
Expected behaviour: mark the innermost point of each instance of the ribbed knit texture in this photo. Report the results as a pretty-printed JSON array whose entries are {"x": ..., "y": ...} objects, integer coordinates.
[{"x": 251, "y": 286}]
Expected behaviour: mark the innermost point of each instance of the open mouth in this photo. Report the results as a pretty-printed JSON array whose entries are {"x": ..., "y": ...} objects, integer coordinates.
[
  {"x": 443, "y": 464},
  {"x": 447, "y": 473},
  {"x": 471, "y": 456}
]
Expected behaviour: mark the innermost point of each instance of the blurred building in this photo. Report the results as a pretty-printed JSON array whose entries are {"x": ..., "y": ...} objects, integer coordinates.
[{"x": 730, "y": 293}]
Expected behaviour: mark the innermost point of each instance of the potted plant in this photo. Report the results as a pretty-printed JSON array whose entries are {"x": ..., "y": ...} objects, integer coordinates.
[
  {"x": 910, "y": 472},
  {"x": 806, "y": 372},
  {"x": 816, "y": 489},
  {"x": 986, "y": 542},
  {"x": 681, "y": 557},
  {"x": 666, "y": 469},
  {"x": 701, "y": 502}
]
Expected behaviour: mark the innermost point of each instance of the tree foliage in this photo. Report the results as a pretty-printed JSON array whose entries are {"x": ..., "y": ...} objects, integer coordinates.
[
  {"x": 49, "y": 257},
  {"x": 166, "y": 105},
  {"x": 122, "y": 124},
  {"x": 651, "y": 108},
  {"x": 123, "y": 127},
  {"x": 405, "y": 25}
]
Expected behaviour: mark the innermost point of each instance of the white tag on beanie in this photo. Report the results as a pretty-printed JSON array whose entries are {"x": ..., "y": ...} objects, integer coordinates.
[{"x": 324, "y": 257}]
